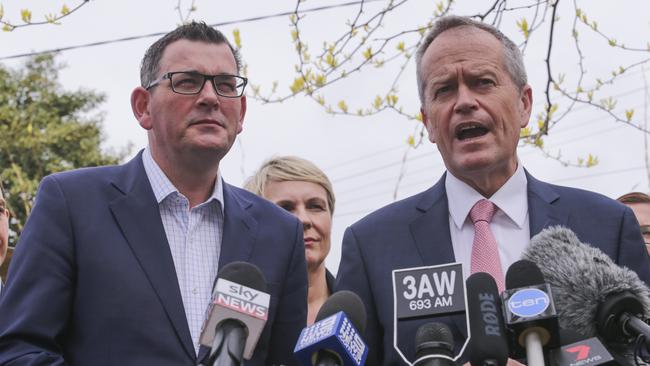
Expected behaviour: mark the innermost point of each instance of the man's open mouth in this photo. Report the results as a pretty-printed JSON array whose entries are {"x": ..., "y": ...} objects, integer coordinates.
[{"x": 471, "y": 130}]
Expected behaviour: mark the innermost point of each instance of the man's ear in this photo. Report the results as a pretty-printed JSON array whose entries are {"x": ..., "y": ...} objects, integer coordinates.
[
  {"x": 140, "y": 99},
  {"x": 428, "y": 125},
  {"x": 526, "y": 101},
  {"x": 242, "y": 113}
]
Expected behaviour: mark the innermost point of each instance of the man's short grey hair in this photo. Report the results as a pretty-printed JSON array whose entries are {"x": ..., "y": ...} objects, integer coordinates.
[
  {"x": 194, "y": 31},
  {"x": 514, "y": 62}
]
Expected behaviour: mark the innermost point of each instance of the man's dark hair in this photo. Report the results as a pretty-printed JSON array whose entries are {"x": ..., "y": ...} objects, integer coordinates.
[
  {"x": 634, "y": 197},
  {"x": 194, "y": 31}
]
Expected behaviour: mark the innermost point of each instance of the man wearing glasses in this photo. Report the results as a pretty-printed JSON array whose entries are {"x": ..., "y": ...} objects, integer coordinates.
[
  {"x": 4, "y": 229},
  {"x": 116, "y": 264}
]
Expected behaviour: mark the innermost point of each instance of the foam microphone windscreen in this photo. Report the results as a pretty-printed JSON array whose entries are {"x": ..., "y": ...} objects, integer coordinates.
[
  {"x": 581, "y": 277},
  {"x": 244, "y": 274},
  {"x": 488, "y": 343},
  {"x": 348, "y": 302},
  {"x": 529, "y": 310},
  {"x": 568, "y": 336},
  {"x": 433, "y": 337},
  {"x": 335, "y": 337},
  {"x": 523, "y": 273}
]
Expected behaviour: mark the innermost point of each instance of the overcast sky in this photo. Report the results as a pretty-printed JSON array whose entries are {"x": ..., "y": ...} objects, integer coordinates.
[{"x": 362, "y": 156}]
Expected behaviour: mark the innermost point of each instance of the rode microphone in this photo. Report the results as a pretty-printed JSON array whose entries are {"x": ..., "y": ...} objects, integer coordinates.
[
  {"x": 529, "y": 312},
  {"x": 434, "y": 345},
  {"x": 593, "y": 294},
  {"x": 237, "y": 314},
  {"x": 488, "y": 343},
  {"x": 335, "y": 338}
]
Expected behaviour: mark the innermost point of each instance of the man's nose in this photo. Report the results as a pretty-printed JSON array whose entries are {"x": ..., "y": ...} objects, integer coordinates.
[
  {"x": 208, "y": 94},
  {"x": 465, "y": 100}
]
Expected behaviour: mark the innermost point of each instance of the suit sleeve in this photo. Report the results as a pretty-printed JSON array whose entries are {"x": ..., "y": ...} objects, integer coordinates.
[
  {"x": 352, "y": 276},
  {"x": 292, "y": 308},
  {"x": 36, "y": 303},
  {"x": 632, "y": 252}
]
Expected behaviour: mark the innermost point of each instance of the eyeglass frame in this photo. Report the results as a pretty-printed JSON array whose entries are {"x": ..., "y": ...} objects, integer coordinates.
[{"x": 206, "y": 77}]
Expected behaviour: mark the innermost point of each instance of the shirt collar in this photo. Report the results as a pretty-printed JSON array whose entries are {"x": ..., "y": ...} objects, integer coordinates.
[
  {"x": 461, "y": 198},
  {"x": 162, "y": 187}
]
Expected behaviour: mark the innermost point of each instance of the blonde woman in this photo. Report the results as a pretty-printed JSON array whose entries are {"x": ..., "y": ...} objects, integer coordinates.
[{"x": 301, "y": 188}]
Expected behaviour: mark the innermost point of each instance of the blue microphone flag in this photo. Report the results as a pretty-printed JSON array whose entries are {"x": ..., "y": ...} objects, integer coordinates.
[{"x": 335, "y": 334}]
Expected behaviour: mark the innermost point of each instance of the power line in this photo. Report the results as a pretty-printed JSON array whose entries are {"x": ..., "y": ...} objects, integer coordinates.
[
  {"x": 391, "y": 178},
  {"x": 429, "y": 180},
  {"x": 426, "y": 168},
  {"x": 363, "y": 157},
  {"x": 540, "y": 104},
  {"x": 231, "y": 22},
  {"x": 599, "y": 174},
  {"x": 380, "y": 168},
  {"x": 611, "y": 172}
]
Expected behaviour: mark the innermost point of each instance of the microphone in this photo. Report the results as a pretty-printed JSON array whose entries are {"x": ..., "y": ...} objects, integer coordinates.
[
  {"x": 578, "y": 350},
  {"x": 529, "y": 312},
  {"x": 593, "y": 294},
  {"x": 488, "y": 344},
  {"x": 237, "y": 314},
  {"x": 335, "y": 338},
  {"x": 434, "y": 345}
]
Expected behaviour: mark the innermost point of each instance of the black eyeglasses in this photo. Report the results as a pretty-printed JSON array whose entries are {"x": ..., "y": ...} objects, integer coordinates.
[{"x": 191, "y": 83}]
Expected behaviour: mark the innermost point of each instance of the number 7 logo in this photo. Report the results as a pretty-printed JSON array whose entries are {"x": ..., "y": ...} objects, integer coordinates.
[{"x": 581, "y": 350}]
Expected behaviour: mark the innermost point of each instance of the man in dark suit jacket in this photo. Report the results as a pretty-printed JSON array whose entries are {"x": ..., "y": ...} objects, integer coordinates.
[
  {"x": 475, "y": 99},
  {"x": 110, "y": 264}
]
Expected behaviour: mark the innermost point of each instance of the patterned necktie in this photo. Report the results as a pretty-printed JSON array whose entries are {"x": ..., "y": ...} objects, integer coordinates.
[{"x": 485, "y": 253}]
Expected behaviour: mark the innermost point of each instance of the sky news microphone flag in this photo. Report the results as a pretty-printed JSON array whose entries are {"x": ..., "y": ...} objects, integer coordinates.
[{"x": 239, "y": 303}]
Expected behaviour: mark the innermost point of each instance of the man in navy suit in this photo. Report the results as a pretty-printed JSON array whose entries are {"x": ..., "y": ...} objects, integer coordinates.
[
  {"x": 474, "y": 101},
  {"x": 116, "y": 265}
]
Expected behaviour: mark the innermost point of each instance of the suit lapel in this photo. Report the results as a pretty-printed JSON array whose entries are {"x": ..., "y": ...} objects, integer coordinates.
[
  {"x": 239, "y": 228},
  {"x": 431, "y": 234},
  {"x": 431, "y": 230},
  {"x": 542, "y": 213},
  {"x": 137, "y": 214}
]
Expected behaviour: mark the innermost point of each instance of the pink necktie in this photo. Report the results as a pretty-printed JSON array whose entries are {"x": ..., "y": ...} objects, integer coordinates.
[{"x": 485, "y": 253}]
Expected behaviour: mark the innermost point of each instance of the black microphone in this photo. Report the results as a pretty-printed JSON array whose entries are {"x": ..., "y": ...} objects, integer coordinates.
[
  {"x": 236, "y": 316},
  {"x": 577, "y": 349},
  {"x": 488, "y": 343},
  {"x": 593, "y": 294},
  {"x": 529, "y": 312},
  {"x": 434, "y": 345},
  {"x": 335, "y": 337}
]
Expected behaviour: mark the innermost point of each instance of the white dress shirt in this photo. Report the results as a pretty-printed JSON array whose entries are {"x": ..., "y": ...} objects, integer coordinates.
[
  {"x": 194, "y": 237},
  {"x": 510, "y": 224}
]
